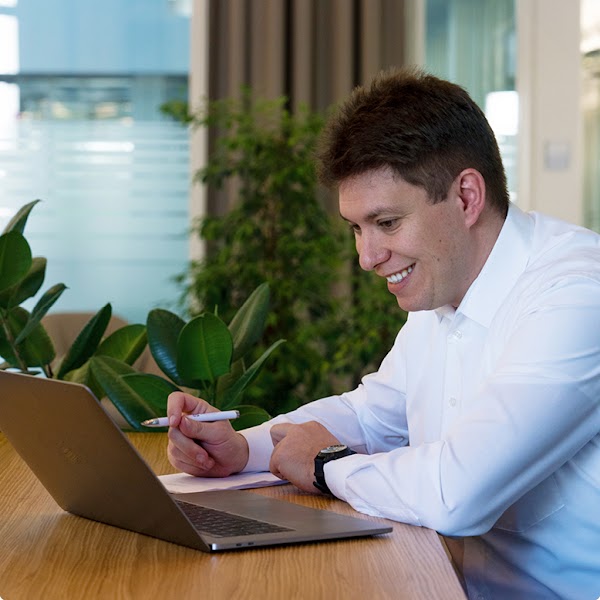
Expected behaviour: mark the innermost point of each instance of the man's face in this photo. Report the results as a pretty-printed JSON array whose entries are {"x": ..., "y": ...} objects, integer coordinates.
[{"x": 424, "y": 250}]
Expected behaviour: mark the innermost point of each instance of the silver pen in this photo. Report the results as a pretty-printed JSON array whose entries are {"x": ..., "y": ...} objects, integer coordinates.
[{"x": 207, "y": 417}]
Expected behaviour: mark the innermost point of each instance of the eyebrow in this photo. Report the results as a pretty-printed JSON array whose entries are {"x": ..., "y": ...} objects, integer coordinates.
[{"x": 370, "y": 216}]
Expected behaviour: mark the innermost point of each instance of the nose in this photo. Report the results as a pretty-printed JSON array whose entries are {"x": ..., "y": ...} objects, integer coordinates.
[{"x": 370, "y": 252}]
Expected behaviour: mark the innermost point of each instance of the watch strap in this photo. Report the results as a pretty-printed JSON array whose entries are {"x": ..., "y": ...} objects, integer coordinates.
[{"x": 321, "y": 460}]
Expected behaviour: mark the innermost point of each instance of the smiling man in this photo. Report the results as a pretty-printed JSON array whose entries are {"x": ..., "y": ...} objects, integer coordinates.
[
  {"x": 430, "y": 253},
  {"x": 483, "y": 421}
]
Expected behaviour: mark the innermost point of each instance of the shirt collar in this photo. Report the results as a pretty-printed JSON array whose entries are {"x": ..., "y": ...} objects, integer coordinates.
[{"x": 505, "y": 264}]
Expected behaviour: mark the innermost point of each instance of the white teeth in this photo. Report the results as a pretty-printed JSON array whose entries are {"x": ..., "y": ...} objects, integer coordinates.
[{"x": 397, "y": 277}]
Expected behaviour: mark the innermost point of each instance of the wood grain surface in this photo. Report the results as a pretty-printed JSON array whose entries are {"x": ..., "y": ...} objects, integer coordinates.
[{"x": 48, "y": 554}]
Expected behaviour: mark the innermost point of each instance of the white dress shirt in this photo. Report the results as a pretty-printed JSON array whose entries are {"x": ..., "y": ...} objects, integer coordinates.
[{"x": 484, "y": 422}]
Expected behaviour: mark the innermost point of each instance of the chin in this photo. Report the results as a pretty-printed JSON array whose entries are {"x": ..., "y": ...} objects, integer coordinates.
[
  {"x": 412, "y": 305},
  {"x": 406, "y": 306}
]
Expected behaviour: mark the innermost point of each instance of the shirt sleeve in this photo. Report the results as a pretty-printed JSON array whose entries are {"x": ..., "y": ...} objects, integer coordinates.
[
  {"x": 369, "y": 419},
  {"x": 538, "y": 407}
]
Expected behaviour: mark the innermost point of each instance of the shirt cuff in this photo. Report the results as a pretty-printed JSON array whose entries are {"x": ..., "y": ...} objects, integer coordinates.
[
  {"x": 260, "y": 447},
  {"x": 354, "y": 480},
  {"x": 337, "y": 471}
]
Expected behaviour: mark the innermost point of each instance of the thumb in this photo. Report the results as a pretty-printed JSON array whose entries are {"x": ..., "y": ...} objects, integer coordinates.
[
  {"x": 207, "y": 432},
  {"x": 278, "y": 432},
  {"x": 191, "y": 429}
]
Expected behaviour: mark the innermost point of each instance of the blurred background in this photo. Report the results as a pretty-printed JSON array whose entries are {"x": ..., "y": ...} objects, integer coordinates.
[{"x": 82, "y": 83}]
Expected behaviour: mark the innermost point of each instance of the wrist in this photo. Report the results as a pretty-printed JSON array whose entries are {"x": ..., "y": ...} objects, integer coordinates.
[
  {"x": 260, "y": 447},
  {"x": 243, "y": 454},
  {"x": 326, "y": 455}
]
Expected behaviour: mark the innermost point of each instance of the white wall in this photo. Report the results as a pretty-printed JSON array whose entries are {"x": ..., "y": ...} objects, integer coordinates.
[{"x": 549, "y": 86}]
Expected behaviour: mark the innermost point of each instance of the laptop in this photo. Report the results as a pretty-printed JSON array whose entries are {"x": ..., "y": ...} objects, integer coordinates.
[{"x": 90, "y": 468}]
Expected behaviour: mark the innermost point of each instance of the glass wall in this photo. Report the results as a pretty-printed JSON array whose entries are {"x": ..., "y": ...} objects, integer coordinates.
[
  {"x": 473, "y": 43},
  {"x": 81, "y": 84}
]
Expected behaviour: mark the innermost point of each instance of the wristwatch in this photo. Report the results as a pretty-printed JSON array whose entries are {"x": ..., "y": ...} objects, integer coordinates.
[{"x": 327, "y": 454}]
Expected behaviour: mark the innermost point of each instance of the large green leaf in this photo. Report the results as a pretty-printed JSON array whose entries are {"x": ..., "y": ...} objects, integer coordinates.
[
  {"x": 204, "y": 350},
  {"x": 85, "y": 376},
  {"x": 41, "y": 308},
  {"x": 36, "y": 349},
  {"x": 234, "y": 393},
  {"x": 86, "y": 342},
  {"x": 26, "y": 287},
  {"x": 126, "y": 343},
  {"x": 17, "y": 223},
  {"x": 226, "y": 381},
  {"x": 153, "y": 389},
  {"x": 6, "y": 348},
  {"x": 248, "y": 324},
  {"x": 109, "y": 373},
  {"x": 164, "y": 328},
  {"x": 15, "y": 259}
]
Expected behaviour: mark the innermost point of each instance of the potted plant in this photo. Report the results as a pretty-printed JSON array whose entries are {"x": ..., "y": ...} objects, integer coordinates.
[
  {"x": 24, "y": 343},
  {"x": 277, "y": 230},
  {"x": 204, "y": 355}
]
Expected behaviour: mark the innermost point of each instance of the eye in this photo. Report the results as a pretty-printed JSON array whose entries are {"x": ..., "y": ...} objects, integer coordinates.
[
  {"x": 354, "y": 228},
  {"x": 388, "y": 223}
]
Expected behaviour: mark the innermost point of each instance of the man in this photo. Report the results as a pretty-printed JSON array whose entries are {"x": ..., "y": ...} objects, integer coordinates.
[{"x": 483, "y": 421}]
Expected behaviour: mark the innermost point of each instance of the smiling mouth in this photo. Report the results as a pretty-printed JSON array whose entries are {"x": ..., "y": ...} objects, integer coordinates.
[{"x": 398, "y": 277}]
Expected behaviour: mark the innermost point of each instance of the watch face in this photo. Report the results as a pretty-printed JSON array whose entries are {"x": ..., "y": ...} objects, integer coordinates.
[{"x": 333, "y": 449}]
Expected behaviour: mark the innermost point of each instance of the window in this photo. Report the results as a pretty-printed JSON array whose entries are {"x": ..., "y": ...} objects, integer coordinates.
[
  {"x": 473, "y": 44},
  {"x": 81, "y": 86}
]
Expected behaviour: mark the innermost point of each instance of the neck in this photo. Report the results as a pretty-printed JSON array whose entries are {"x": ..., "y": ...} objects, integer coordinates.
[{"x": 485, "y": 234}]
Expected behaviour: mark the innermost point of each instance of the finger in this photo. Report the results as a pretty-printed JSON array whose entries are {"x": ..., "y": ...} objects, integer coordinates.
[
  {"x": 211, "y": 433},
  {"x": 278, "y": 432},
  {"x": 179, "y": 403},
  {"x": 187, "y": 449},
  {"x": 278, "y": 474},
  {"x": 182, "y": 464},
  {"x": 176, "y": 406},
  {"x": 274, "y": 465}
]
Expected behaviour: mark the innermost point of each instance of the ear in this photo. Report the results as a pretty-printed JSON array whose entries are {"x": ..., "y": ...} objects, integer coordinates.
[{"x": 470, "y": 186}]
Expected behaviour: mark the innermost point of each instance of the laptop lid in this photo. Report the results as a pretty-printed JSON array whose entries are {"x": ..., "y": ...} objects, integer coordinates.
[{"x": 91, "y": 469}]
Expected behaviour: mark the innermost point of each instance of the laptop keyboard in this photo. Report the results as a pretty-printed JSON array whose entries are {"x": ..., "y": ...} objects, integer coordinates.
[{"x": 223, "y": 524}]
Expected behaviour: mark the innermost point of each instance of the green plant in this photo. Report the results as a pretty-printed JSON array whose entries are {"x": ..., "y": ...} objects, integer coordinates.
[
  {"x": 204, "y": 354},
  {"x": 370, "y": 322},
  {"x": 339, "y": 321},
  {"x": 24, "y": 342},
  {"x": 278, "y": 231}
]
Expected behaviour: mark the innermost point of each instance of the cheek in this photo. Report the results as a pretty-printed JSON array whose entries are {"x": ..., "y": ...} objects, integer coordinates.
[
  {"x": 359, "y": 250},
  {"x": 438, "y": 250}
]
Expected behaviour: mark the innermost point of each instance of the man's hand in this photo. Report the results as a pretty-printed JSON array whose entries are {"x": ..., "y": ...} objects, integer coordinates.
[
  {"x": 295, "y": 449},
  {"x": 202, "y": 449}
]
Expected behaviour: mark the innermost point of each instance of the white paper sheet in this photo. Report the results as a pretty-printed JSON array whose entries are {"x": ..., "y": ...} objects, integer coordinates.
[{"x": 181, "y": 483}]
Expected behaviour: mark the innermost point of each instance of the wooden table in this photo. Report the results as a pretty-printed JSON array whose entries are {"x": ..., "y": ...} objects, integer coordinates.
[{"x": 47, "y": 553}]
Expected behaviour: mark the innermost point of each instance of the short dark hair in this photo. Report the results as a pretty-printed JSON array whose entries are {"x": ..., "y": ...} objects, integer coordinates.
[{"x": 426, "y": 129}]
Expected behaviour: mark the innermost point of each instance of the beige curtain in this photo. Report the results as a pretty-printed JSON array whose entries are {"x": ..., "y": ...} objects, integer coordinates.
[{"x": 312, "y": 51}]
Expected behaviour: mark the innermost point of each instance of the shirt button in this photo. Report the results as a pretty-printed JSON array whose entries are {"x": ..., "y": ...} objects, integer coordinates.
[
  {"x": 457, "y": 334},
  {"x": 452, "y": 401}
]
